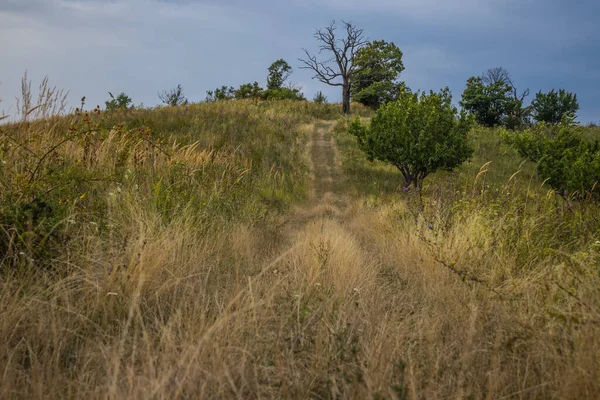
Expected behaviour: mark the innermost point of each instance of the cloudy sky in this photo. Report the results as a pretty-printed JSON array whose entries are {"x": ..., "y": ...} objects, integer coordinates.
[{"x": 91, "y": 47}]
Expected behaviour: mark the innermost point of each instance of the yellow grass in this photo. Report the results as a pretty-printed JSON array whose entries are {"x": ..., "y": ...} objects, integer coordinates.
[{"x": 336, "y": 297}]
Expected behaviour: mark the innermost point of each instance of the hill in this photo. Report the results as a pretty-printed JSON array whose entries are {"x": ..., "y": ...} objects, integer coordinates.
[{"x": 248, "y": 249}]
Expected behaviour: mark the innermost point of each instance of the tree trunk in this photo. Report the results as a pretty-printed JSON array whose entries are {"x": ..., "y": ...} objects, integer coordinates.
[{"x": 346, "y": 97}]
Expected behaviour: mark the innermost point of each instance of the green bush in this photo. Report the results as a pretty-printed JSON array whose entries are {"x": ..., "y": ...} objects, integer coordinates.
[
  {"x": 418, "y": 134},
  {"x": 282, "y": 94},
  {"x": 121, "y": 102},
  {"x": 222, "y": 93},
  {"x": 320, "y": 98},
  {"x": 565, "y": 160},
  {"x": 490, "y": 104},
  {"x": 555, "y": 107}
]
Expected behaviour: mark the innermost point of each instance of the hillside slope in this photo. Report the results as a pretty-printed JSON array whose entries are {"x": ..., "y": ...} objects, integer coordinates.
[{"x": 245, "y": 250}]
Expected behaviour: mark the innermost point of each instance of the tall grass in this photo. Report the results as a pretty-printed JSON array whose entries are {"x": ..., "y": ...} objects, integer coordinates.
[
  {"x": 156, "y": 254},
  {"x": 502, "y": 277}
]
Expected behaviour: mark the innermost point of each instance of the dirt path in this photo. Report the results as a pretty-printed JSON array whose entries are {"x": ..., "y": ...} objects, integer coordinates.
[
  {"x": 327, "y": 197},
  {"x": 325, "y": 163}
]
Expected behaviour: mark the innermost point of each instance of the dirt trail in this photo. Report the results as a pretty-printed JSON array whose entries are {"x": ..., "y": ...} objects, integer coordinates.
[
  {"x": 325, "y": 163},
  {"x": 327, "y": 197}
]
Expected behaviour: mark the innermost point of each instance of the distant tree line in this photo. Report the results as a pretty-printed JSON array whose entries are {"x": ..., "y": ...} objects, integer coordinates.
[
  {"x": 278, "y": 87},
  {"x": 494, "y": 100}
]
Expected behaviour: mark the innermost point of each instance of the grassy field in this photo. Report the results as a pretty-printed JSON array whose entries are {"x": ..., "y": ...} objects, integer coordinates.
[{"x": 248, "y": 250}]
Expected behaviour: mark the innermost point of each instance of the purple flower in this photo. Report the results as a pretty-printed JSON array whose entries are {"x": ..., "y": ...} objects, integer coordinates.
[{"x": 429, "y": 226}]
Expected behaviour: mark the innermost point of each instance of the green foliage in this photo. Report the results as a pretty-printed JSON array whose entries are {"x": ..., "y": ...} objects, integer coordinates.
[
  {"x": 555, "y": 107},
  {"x": 222, "y": 93},
  {"x": 491, "y": 104},
  {"x": 565, "y": 160},
  {"x": 121, "y": 102},
  {"x": 320, "y": 98},
  {"x": 279, "y": 72},
  {"x": 248, "y": 91},
  {"x": 173, "y": 97},
  {"x": 282, "y": 94},
  {"x": 379, "y": 93},
  {"x": 418, "y": 134},
  {"x": 378, "y": 66}
]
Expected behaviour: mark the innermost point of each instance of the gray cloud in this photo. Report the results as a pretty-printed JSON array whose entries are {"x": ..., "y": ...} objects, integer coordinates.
[{"x": 143, "y": 46}]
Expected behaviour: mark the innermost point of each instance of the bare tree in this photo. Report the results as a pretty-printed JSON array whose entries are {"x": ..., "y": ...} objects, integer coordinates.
[
  {"x": 343, "y": 51},
  {"x": 173, "y": 97},
  {"x": 499, "y": 74},
  {"x": 494, "y": 75}
]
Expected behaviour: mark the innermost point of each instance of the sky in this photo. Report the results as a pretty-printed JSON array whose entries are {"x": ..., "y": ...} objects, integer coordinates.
[{"x": 141, "y": 47}]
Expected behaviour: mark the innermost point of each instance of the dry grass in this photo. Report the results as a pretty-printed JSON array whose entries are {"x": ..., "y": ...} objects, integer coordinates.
[{"x": 345, "y": 296}]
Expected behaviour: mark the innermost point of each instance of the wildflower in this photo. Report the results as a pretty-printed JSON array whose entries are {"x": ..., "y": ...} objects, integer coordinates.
[
  {"x": 110, "y": 268},
  {"x": 453, "y": 263},
  {"x": 429, "y": 227},
  {"x": 82, "y": 196}
]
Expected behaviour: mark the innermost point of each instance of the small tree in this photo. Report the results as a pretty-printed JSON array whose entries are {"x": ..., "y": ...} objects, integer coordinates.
[
  {"x": 375, "y": 81},
  {"x": 418, "y": 134},
  {"x": 565, "y": 160},
  {"x": 279, "y": 72},
  {"x": 555, "y": 107},
  {"x": 320, "y": 98},
  {"x": 248, "y": 91},
  {"x": 489, "y": 104},
  {"x": 121, "y": 102},
  {"x": 222, "y": 93},
  {"x": 173, "y": 97},
  {"x": 493, "y": 99},
  {"x": 516, "y": 114}
]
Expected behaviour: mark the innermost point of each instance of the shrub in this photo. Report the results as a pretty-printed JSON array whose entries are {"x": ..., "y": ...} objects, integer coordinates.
[
  {"x": 121, "y": 102},
  {"x": 248, "y": 91},
  {"x": 173, "y": 97},
  {"x": 320, "y": 98},
  {"x": 565, "y": 160},
  {"x": 490, "y": 104},
  {"x": 222, "y": 93},
  {"x": 282, "y": 94},
  {"x": 555, "y": 107},
  {"x": 418, "y": 134}
]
